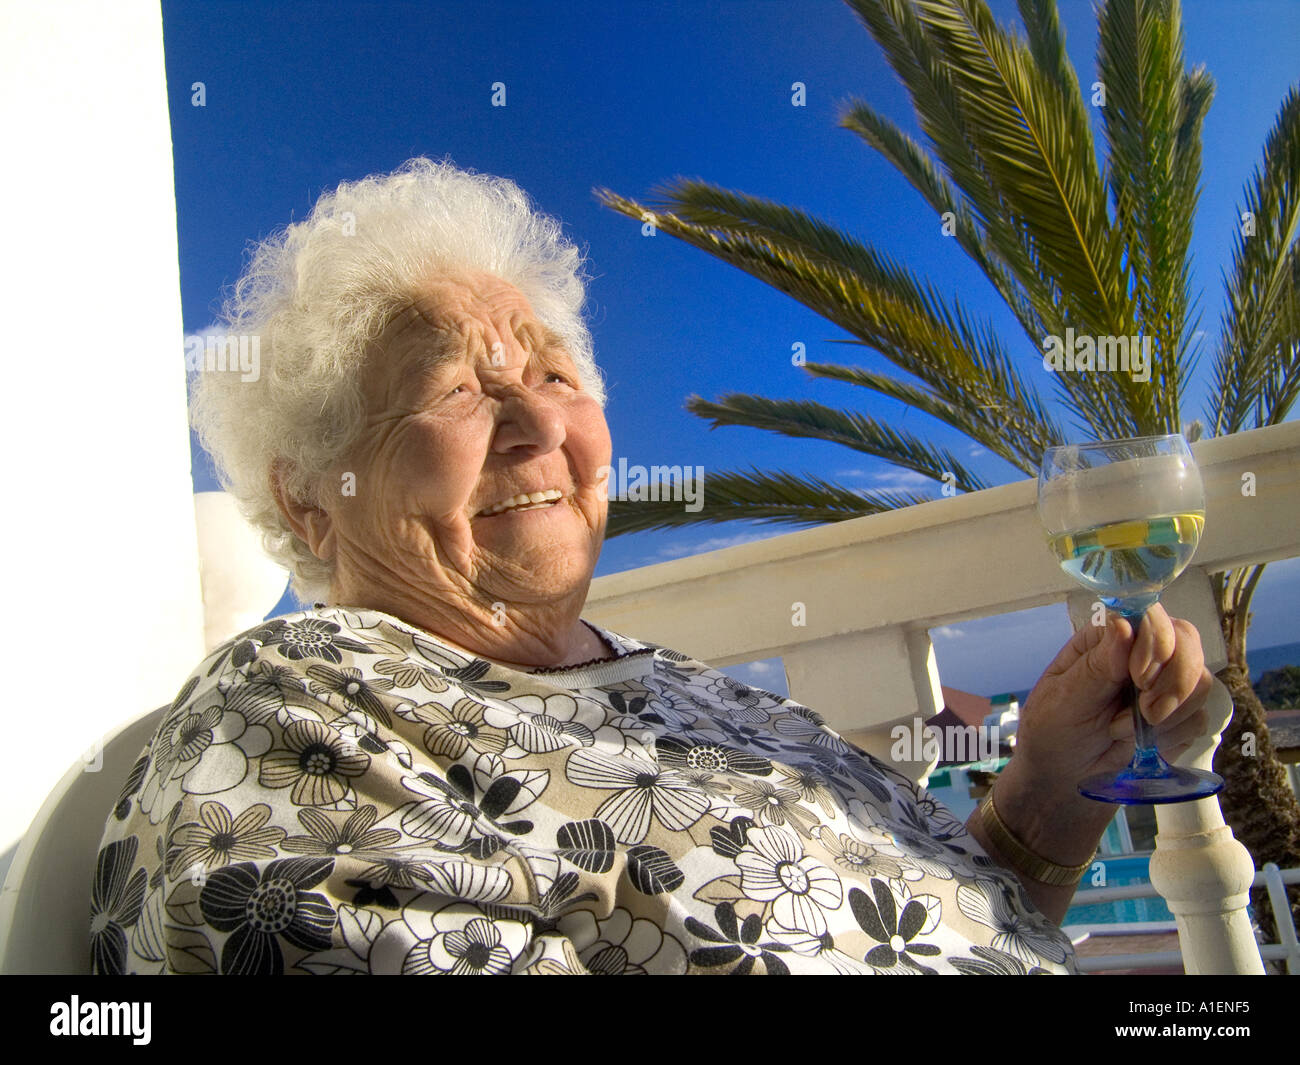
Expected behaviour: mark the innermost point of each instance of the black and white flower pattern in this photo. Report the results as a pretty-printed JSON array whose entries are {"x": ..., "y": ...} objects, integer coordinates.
[
  {"x": 259, "y": 907},
  {"x": 1017, "y": 933},
  {"x": 541, "y": 725},
  {"x": 773, "y": 868},
  {"x": 642, "y": 791},
  {"x": 457, "y": 940},
  {"x": 218, "y": 839},
  {"x": 317, "y": 764},
  {"x": 206, "y": 748},
  {"x": 737, "y": 943},
  {"x": 622, "y": 945},
  {"x": 897, "y": 919},
  {"x": 115, "y": 901},
  {"x": 337, "y": 792}
]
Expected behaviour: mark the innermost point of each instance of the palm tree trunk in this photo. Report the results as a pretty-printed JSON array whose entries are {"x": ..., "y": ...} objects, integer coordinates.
[{"x": 1258, "y": 803}]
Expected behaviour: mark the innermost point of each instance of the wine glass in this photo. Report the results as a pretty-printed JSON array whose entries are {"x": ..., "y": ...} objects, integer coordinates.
[{"x": 1124, "y": 517}]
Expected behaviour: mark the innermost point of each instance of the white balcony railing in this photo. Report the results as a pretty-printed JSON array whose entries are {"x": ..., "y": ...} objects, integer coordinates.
[
  {"x": 1271, "y": 878},
  {"x": 849, "y": 606}
]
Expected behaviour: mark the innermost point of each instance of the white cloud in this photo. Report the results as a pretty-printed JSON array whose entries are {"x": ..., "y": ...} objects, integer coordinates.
[
  {"x": 680, "y": 549},
  {"x": 889, "y": 479},
  {"x": 947, "y": 632},
  {"x": 768, "y": 674}
]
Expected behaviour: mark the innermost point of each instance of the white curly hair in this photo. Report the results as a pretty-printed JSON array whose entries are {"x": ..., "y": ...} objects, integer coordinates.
[{"x": 319, "y": 291}]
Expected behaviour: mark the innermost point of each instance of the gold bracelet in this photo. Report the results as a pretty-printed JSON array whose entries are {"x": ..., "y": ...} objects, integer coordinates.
[{"x": 1022, "y": 858}]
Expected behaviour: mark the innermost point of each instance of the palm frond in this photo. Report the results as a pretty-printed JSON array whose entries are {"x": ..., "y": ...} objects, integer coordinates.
[
  {"x": 1047, "y": 45},
  {"x": 1038, "y": 151},
  {"x": 771, "y": 496},
  {"x": 1014, "y": 188},
  {"x": 1150, "y": 105},
  {"x": 1010, "y": 153},
  {"x": 864, "y": 292},
  {"x": 912, "y": 160},
  {"x": 804, "y": 418},
  {"x": 1197, "y": 95},
  {"x": 992, "y": 425},
  {"x": 1259, "y": 320},
  {"x": 923, "y": 70},
  {"x": 1281, "y": 386}
]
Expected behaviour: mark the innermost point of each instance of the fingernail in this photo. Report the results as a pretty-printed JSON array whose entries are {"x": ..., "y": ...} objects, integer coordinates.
[{"x": 1149, "y": 675}]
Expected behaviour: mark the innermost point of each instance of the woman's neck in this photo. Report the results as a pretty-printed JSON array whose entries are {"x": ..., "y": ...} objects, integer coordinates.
[{"x": 512, "y": 638}]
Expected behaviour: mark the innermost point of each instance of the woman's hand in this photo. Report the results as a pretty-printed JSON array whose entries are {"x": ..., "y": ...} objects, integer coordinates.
[{"x": 1074, "y": 724}]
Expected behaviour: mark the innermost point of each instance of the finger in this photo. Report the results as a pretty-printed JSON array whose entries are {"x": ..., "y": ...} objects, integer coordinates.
[
  {"x": 1083, "y": 641},
  {"x": 1193, "y": 703},
  {"x": 1153, "y": 646},
  {"x": 1121, "y": 726},
  {"x": 1173, "y": 744},
  {"x": 1106, "y": 650},
  {"x": 1180, "y": 678},
  {"x": 1098, "y": 651},
  {"x": 1190, "y": 729}
]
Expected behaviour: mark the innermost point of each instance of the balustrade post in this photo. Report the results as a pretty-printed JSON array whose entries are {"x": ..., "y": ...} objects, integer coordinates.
[
  {"x": 866, "y": 685},
  {"x": 1204, "y": 873}
]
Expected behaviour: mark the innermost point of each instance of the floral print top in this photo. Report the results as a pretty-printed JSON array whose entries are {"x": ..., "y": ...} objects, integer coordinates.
[{"x": 336, "y": 791}]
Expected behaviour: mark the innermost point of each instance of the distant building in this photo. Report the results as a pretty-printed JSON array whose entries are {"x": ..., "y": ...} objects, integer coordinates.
[{"x": 972, "y": 728}]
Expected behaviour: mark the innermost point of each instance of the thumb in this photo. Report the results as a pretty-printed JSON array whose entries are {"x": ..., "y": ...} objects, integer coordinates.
[{"x": 1103, "y": 651}]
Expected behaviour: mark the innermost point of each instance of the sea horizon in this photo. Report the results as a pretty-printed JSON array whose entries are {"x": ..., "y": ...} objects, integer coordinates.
[
  {"x": 1260, "y": 659},
  {"x": 1263, "y": 659}
]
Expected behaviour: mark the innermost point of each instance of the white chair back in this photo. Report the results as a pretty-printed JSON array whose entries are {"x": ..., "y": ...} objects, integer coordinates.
[{"x": 45, "y": 903}]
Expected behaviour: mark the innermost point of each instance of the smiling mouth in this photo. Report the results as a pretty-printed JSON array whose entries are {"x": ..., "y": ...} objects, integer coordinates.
[{"x": 523, "y": 501}]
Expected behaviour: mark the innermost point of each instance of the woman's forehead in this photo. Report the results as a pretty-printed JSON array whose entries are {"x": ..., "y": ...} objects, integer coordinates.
[
  {"x": 451, "y": 302},
  {"x": 456, "y": 309},
  {"x": 451, "y": 320}
]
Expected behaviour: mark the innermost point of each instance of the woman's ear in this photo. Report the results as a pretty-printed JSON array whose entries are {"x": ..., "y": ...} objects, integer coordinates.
[{"x": 312, "y": 525}]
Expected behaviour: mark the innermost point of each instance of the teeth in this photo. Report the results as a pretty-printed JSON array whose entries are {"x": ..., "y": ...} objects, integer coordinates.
[{"x": 524, "y": 499}]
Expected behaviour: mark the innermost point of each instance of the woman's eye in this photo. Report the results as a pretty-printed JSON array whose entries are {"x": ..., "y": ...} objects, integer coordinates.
[{"x": 558, "y": 376}]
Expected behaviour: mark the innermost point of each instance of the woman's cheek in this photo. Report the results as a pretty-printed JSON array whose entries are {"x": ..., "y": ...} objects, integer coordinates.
[
  {"x": 445, "y": 466},
  {"x": 588, "y": 438}
]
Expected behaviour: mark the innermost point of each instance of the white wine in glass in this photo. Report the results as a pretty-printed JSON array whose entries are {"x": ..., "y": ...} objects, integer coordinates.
[{"x": 1123, "y": 517}]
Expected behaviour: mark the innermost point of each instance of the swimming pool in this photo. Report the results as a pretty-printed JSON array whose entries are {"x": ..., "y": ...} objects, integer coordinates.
[{"x": 1134, "y": 869}]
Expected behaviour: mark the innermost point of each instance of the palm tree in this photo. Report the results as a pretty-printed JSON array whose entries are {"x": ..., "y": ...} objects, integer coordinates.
[{"x": 1012, "y": 170}]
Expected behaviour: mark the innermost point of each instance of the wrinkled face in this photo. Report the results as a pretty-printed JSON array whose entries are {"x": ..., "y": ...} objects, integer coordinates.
[{"x": 471, "y": 403}]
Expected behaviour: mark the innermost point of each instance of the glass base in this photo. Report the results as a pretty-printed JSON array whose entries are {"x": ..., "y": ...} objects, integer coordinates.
[{"x": 1172, "y": 784}]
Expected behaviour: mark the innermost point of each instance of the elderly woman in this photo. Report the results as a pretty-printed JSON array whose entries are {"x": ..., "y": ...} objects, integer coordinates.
[{"x": 441, "y": 768}]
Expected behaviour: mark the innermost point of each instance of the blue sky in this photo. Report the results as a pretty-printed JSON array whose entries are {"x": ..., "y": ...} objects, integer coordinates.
[{"x": 300, "y": 96}]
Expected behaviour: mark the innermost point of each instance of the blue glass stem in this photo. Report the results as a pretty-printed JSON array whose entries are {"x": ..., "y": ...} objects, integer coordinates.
[
  {"x": 1148, "y": 778},
  {"x": 1146, "y": 759}
]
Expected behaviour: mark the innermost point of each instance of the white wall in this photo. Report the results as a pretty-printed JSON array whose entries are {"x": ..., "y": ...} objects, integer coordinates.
[{"x": 100, "y": 607}]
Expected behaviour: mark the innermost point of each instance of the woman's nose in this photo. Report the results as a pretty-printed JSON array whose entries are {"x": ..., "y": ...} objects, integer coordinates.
[{"x": 528, "y": 420}]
